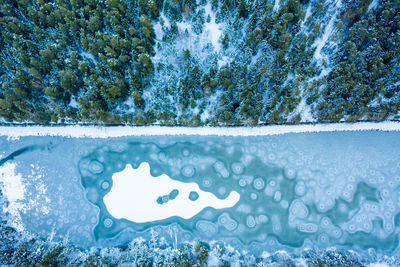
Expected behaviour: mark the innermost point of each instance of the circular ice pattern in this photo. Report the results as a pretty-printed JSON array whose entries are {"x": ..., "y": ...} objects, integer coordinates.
[{"x": 259, "y": 183}]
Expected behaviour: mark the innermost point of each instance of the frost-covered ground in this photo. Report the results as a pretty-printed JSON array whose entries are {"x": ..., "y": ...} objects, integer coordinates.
[{"x": 77, "y": 131}]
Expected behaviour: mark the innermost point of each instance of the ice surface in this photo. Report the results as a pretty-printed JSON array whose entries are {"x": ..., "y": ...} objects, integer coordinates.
[{"x": 296, "y": 190}]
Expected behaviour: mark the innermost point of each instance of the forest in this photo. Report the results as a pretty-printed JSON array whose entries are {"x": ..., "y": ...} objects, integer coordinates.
[{"x": 193, "y": 63}]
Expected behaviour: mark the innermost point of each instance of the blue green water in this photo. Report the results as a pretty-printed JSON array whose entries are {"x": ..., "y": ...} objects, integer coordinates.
[{"x": 338, "y": 189}]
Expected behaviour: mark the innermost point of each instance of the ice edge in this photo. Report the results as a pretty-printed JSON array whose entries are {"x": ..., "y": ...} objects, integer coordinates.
[{"x": 78, "y": 131}]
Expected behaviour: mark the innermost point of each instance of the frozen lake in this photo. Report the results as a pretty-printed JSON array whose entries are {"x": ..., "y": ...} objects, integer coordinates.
[{"x": 288, "y": 192}]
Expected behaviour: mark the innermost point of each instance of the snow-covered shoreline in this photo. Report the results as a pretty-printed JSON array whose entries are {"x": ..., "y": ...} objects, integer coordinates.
[{"x": 78, "y": 131}]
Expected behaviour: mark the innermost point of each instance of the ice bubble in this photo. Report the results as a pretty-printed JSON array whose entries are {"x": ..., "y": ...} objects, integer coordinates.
[
  {"x": 165, "y": 198},
  {"x": 242, "y": 182},
  {"x": 237, "y": 168},
  {"x": 323, "y": 238},
  {"x": 185, "y": 152},
  {"x": 222, "y": 190},
  {"x": 207, "y": 228},
  {"x": 290, "y": 173},
  {"x": 96, "y": 167},
  {"x": 277, "y": 196},
  {"x": 321, "y": 207},
  {"x": 284, "y": 204},
  {"x": 226, "y": 221},
  {"x": 385, "y": 193},
  {"x": 259, "y": 183},
  {"x": 250, "y": 221},
  {"x": 207, "y": 182},
  {"x": 374, "y": 207},
  {"x": 108, "y": 223},
  {"x": 193, "y": 196},
  {"x": 253, "y": 196},
  {"x": 272, "y": 183},
  {"x": 271, "y": 157},
  {"x": 308, "y": 228},
  {"x": 367, "y": 227},
  {"x": 223, "y": 218},
  {"x": 350, "y": 187},
  {"x": 388, "y": 228},
  {"x": 221, "y": 169},
  {"x": 335, "y": 232},
  {"x": 325, "y": 222},
  {"x": 262, "y": 219},
  {"x": 346, "y": 195},
  {"x": 188, "y": 171},
  {"x": 351, "y": 228},
  {"x": 300, "y": 188},
  {"x": 105, "y": 185}
]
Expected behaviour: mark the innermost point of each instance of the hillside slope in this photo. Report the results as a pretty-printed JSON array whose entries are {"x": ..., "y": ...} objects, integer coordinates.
[{"x": 217, "y": 62}]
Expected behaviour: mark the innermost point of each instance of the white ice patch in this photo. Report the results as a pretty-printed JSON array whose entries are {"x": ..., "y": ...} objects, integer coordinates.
[
  {"x": 14, "y": 190},
  {"x": 134, "y": 195}
]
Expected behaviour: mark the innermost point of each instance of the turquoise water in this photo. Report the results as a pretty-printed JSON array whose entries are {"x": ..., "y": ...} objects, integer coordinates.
[{"x": 338, "y": 189}]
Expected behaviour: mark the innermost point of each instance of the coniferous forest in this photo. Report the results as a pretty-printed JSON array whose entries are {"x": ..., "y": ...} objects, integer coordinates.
[{"x": 182, "y": 62}]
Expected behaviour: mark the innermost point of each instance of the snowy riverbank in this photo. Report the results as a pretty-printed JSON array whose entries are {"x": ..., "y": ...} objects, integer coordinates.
[{"x": 78, "y": 131}]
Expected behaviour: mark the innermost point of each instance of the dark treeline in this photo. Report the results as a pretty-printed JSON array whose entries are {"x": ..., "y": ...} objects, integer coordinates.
[{"x": 93, "y": 61}]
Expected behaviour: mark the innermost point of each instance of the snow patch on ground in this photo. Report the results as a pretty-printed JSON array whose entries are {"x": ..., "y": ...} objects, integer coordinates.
[
  {"x": 373, "y": 5},
  {"x": 308, "y": 13},
  {"x": 276, "y": 5},
  {"x": 212, "y": 29},
  {"x": 321, "y": 42},
  {"x": 209, "y": 110},
  {"x": 89, "y": 56},
  {"x": 223, "y": 61},
  {"x": 78, "y": 131},
  {"x": 305, "y": 111},
  {"x": 73, "y": 103}
]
